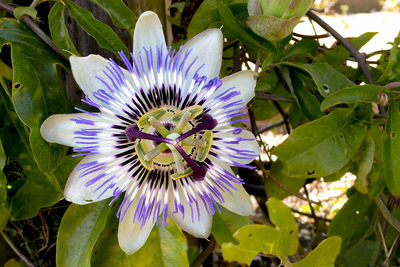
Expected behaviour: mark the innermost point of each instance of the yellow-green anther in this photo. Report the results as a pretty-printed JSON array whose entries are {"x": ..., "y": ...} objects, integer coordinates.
[
  {"x": 194, "y": 142},
  {"x": 148, "y": 164},
  {"x": 194, "y": 111},
  {"x": 155, "y": 151},
  {"x": 180, "y": 175},
  {"x": 156, "y": 113},
  {"x": 203, "y": 151},
  {"x": 159, "y": 126},
  {"x": 182, "y": 122}
]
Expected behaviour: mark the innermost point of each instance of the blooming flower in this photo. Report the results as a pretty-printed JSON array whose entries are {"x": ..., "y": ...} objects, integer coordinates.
[{"x": 163, "y": 134}]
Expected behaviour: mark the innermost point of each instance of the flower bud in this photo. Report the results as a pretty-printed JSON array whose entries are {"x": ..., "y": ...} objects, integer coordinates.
[{"x": 275, "y": 19}]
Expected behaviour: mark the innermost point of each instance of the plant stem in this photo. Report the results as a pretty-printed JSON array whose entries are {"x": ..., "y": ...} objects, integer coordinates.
[
  {"x": 267, "y": 96},
  {"x": 16, "y": 251},
  {"x": 205, "y": 253},
  {"x": 353, "y": 51},
  {"x": 29, "y": 22},
  {"x": 386, "y": 213}
]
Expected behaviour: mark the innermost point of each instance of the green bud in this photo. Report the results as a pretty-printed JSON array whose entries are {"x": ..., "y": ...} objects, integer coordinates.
[{"x": 276, "y": 19}]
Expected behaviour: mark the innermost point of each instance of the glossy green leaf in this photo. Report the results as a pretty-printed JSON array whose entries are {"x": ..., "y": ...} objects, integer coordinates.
[
  {"x": 280, "y": 241},
  {"x": 327, "y": 79},
  {"x": 274, "y": 190},
  {"x": 103, "y": 33},
  {"x": 120, "y": 14},
  {"x": 391, "y": 148},
  {"x": 225, "y": 224},
  {"x": 324, "y": 255},
  {"x": 38, "y": 92},
  {"x": 359, "y": 93},
  {"x": 304, "y": 152},
  {"x": 351, "y": 222},
  {"x": 366, "y": 159},
  {"x": 79, "y": 230},
  {"x": 20, "y": 11},
  {"x": 59, "y": 31},
  {"x": 274, "y": 8},
  {"x": 166, "y": 246},
  {"x": 5, "y": 71},
  {"x": 233, "y": 27},
  {"x": 298, "y": 8}
]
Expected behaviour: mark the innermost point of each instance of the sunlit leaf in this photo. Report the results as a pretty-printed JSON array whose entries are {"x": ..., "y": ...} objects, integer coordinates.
[{"x": 305, "y": 152}]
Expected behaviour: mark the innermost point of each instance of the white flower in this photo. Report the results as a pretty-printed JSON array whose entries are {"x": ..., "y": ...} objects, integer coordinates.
[{"x": 162, "y": 135}]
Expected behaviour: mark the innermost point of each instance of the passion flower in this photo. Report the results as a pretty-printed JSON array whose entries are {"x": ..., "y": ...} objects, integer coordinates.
[{"x": 162, "y": 136}]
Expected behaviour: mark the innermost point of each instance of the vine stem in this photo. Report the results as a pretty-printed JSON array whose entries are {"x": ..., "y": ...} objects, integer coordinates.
[
  {"x": 266, "y": 96},
  {"x": 205, "y": 253},
  {"x": 360, "y": 58},
  {"x": 266, "y": 173},
  {"x": 16, "y": 251},
  {"x": 32, "y": 25}
]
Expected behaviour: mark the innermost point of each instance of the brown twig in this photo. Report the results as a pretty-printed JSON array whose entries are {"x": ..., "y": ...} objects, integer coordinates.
[
  {"x": 205, "y": 253},
  {"x": 16, "y": 251},
  {"x": 353, "y": 51},
  {"x": 310, "y": 215},
  {"x": 319, "y": 36},
  {"x": 32, "y": 25},
  {"x": 266, "y": 96}
]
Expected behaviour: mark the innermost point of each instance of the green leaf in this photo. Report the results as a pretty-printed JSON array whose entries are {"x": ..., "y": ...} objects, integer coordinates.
[
  {"x": 15, "y": 263},
  {"x": 5, "y": 71},
  {"x": 308, "y": 103},
  {"x": 20, "y": 11},
  {"x": 274, "y": 190},
  {"x": 4, "y": 212},
  {"x": 280, "y": 241},
  {"x": 324, "y": 255},
  {"x": 59, "y": 31},
  {"x": 351, "y": 222},
  {"x": 39, "y": 190},
  {"x": 365, "y": 161},
  {"x": 327, "y": 79},
  {"x": 166, "y": 246},
  {"x": 360, "y": 93},
  {"x": 391, "y": 69},
  {"x": 391, "y": 148},
  {"x": 207, "y": 15},
  {"x": 305, "y": 152},
  {"x": 225, "y": 224},
  {"x": 120, "y": 14},
  {"x": 361, "y": 253},
  {"x": 79, "y": 230},
  {"x": 233, "y": 27},
  {"x": 38, "y": 92},
  {"x": 339, "y": 54},
  {"x": 103, "y": 33}
]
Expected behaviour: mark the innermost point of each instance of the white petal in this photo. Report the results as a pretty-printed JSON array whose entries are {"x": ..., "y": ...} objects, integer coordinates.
[
  {"x": 243, "y": 81},
  {"x": 197, "y": 228},
  {"x": 207, "y": 48},
  {"x": 252, "y": 146},
  {"x": 60, "y": 128},
  {"x": 131, "y": 237},
  {"x": 239, "y": 201},
  {"x": 253, "y": 7},
  {"x": 148, "y": 33},
  {"x": 77, "y": 192},
  {"x": 85, "y": 71}
]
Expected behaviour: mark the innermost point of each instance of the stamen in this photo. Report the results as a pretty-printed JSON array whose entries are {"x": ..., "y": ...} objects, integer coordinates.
[{"x": 159, "y": 126}]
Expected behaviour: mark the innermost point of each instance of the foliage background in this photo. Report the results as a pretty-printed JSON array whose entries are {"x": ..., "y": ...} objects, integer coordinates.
[{"x": 340, "y": 118}]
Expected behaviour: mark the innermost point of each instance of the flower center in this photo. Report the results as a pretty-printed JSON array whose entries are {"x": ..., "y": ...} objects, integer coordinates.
[{"x": 188, "y": 139}]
